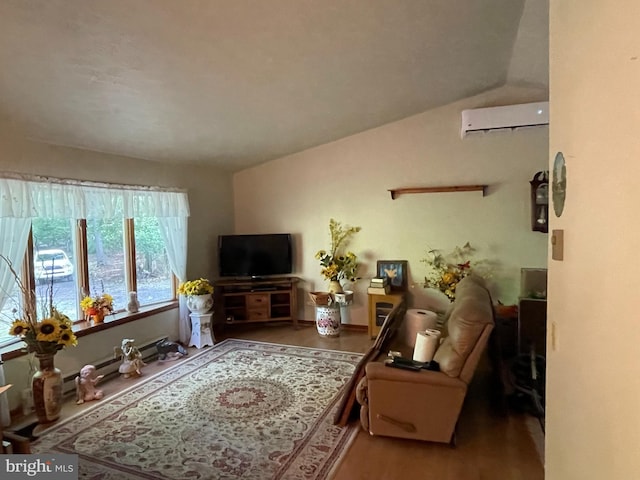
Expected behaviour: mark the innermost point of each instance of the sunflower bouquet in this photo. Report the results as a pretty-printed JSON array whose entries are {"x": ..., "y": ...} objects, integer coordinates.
[
  {"x": 201, "y": 286},
  {"x": 45, "y": 336},
  {"x": 98, "y": 304},
  {"x": 337, "y": 264},
  {"x": 48, "y": 335},
  {"x": 448, "y": 269}
]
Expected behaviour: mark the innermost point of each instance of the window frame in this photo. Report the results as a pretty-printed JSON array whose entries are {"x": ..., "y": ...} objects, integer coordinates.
[{"x": 81, "y": 326}]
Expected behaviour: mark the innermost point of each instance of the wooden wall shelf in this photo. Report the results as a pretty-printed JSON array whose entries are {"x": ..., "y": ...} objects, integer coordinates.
[{"x": 455, "y": 188}]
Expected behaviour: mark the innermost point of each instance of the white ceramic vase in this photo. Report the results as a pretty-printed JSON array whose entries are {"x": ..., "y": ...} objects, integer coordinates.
[
  {"x": 328, "y": 320},
  {"x": 200, "y": 303}
]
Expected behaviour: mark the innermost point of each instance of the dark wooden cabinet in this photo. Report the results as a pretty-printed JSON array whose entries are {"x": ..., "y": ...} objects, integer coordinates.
[
  {"x": 532, "y": 325},
  {"x": 515, "y": 334},
  {"x": 511, "y": 342},
  {"x": 255, "y": 301}
]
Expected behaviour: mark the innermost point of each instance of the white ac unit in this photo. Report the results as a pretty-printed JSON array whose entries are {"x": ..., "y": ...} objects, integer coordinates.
[{"x": 509, "y": 116}]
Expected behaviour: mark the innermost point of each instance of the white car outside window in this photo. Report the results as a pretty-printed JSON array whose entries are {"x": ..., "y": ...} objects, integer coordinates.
[{"x": 50, "y": 264}]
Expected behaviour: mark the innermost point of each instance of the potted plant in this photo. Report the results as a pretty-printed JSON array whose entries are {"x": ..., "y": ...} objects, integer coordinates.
[
  {"x": 448, "y": 269},
  {"x": 97, "y": 307},
  {"x": 199, "y": 294},
  {"x": 43, "y": 336},
  {"x": 338, "y": 264}
]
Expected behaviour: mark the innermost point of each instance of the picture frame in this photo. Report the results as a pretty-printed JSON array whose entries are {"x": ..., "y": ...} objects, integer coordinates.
[{"x": 396, "y": 271}]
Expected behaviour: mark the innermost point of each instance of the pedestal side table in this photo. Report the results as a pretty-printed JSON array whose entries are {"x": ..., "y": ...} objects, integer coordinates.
[{"x": 201, "y": 334}]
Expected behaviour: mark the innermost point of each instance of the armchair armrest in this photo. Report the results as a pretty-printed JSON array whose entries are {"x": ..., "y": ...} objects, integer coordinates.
[
  {"x": 379, "y": 371},
  {"x": 422, "y": 405}
]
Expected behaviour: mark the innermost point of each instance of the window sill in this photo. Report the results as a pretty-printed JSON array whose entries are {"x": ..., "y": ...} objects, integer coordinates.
[{"x": 84, "y": 327}]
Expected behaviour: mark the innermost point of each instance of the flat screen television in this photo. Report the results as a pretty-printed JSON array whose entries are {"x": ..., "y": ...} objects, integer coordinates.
[{"x": 258, "y": 255}]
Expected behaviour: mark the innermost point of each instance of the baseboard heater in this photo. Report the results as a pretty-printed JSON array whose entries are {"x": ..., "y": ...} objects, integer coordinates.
[{"x": 109, "y": 367}]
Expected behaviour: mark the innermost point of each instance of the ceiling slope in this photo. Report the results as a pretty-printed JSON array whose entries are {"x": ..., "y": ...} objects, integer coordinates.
[{"x": 238, "y": 83}]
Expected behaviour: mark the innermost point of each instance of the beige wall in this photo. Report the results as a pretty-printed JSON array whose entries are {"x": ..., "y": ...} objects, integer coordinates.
[
  {"x": 593, "y": 379},
  {"x": 211, "y": 208},
  {"x": 348, "y": 180},
  {"x": 92, "y": 349}
]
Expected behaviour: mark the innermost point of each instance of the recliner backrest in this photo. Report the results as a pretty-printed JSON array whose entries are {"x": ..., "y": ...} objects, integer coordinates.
[{"x": 471, "y": 313}]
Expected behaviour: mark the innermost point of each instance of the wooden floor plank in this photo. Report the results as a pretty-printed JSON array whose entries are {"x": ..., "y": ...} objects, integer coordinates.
[{"x": 490, "y": 446}]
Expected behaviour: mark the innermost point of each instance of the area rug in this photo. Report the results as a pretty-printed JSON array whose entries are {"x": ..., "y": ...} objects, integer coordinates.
[{"x": 241, "y": 409}]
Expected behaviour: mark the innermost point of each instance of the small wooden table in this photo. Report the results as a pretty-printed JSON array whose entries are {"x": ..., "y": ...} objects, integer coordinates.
[{"x": 379, "y": 308}]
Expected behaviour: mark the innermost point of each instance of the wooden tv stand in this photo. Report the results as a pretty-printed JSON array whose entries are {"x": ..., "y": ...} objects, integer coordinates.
[{"x": 256, "y": 301}]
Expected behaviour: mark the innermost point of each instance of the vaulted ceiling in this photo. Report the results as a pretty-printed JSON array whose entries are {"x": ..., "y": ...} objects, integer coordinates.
[{"x": 234, "y": 83}]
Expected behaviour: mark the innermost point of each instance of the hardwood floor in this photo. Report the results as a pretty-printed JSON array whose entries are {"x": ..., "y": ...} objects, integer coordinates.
[{"x": 489, "y": 445}]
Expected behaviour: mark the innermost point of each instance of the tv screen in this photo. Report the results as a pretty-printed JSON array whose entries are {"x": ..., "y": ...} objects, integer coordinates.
[{"x": 255, "y": 255}]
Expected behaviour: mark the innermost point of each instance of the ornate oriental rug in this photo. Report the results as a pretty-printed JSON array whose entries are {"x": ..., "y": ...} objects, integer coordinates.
[{"x": 241, "y": 409}]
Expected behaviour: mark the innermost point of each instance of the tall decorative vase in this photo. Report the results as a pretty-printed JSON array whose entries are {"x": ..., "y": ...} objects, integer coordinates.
[
  {"x": 46, "y": 386},
  {"x": 335, "y": 287},
  {"x": 200, "y": 303},
  {"x": 328, "y": 320}
]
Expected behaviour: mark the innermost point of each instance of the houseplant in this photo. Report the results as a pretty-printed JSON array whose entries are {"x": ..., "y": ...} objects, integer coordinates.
[
  {"x": 338, "y": 264},
  {"x": 199, "y": 294},
  {"x": 448, "y": 269},
  {"x": 43, "y": 337},
  {"x": 97, "y": 307}
]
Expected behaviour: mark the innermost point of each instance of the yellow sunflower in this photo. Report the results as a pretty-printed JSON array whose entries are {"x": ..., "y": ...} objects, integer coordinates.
[
  {"x": 19, "y": 327},
  {"x": 48, "y": 330},
  {"x": 68, "y": 339},
  {"x": 86, "y": 303}
]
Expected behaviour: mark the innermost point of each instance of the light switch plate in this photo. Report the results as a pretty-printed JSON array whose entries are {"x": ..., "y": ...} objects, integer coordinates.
[{"x": 557, "y": 245}]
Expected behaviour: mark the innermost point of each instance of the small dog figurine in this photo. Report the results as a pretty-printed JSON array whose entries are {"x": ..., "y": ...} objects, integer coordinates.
[
  {"x": 168, "y": 350},
  {"x": 86, "y": 385}
]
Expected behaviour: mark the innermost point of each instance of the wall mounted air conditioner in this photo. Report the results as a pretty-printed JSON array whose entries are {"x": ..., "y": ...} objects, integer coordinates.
[{"x": 510, "y": 116}]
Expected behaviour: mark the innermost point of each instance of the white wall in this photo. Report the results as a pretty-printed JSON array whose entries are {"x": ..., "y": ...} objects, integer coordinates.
[
  {"x": 348, "y": 180},
  {"x": 593, "y": 373}
]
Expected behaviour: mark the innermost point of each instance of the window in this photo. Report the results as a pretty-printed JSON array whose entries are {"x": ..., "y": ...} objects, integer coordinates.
[
  {"x": 153, "y": 272},
  {"x": 7, "y": 315},
  {"x": 83, "y": 239},
  {"x": 106, "y": 260},
  {"x": 54, "y": 269}
]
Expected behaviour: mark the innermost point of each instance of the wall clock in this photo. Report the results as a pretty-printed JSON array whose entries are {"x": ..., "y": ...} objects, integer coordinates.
[
  {"x": 540, "y": 202},
  {"x": 559, "y": 184}
]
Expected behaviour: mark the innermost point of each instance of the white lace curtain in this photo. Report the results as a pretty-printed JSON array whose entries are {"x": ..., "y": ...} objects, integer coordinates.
[
  {"x": 13, "y": 243},
  {"x": 31, "y": 199},
  {"x": 174, "y": 233},
  {"x": 22, "y": 200}
]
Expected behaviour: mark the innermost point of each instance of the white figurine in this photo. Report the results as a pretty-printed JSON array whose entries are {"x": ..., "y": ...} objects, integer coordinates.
[
  {"x": 86, "y": 385},
  {"x": 133, "y": 306},
  {"x": 131, "y": 358}
]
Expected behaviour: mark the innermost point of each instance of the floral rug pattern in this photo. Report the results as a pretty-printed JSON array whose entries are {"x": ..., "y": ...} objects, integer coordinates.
[{"x": 241, "y": 409}]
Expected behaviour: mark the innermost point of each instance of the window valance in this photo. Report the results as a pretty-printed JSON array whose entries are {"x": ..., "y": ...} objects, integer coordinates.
[{"x": 50, "y": 199}]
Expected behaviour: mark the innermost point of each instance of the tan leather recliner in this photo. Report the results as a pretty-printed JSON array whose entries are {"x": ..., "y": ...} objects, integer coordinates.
[{"x": 425, "y": 405}]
